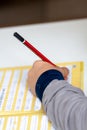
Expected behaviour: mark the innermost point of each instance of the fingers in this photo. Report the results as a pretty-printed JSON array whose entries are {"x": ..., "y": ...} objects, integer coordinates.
[
  {"x": 40, "y": 66},
  {"x": 65, "y": 72},
  {"x": 37, "y": 63},
  {"x": 40, "y": 63}
]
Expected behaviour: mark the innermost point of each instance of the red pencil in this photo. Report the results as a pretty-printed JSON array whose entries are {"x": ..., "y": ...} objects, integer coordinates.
[{"x": 27, "y": 44}]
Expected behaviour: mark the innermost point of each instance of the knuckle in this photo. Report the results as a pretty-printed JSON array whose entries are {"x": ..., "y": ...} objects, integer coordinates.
[{"x": 37, "y": 63}]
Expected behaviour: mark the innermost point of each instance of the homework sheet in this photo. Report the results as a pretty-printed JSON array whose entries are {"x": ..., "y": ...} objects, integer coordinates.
[{"x": 18, "y": 108}]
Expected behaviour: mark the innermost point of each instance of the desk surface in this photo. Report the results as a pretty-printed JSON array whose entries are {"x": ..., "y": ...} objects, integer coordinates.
[{"x": 59, "y": 41}]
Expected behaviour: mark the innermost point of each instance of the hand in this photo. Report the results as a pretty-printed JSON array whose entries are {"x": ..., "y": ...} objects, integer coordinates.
[{"x": 38, "y": 68}]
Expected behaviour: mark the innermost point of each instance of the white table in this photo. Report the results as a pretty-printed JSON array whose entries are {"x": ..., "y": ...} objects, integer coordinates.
[{"x": 59, "y": 41}]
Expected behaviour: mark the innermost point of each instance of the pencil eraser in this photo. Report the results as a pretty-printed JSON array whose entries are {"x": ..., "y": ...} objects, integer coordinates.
[{"x": 18, "y": 37}]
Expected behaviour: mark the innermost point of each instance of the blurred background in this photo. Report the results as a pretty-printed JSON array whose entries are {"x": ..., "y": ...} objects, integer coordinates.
[{"x": 21, "y": 12}]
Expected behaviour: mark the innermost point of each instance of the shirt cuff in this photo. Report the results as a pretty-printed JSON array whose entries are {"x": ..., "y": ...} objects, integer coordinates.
[{"x": 45, "y": 79}]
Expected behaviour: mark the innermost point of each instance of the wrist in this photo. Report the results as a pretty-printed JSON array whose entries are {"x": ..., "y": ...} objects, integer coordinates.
[{"x": 45, "y": 79}]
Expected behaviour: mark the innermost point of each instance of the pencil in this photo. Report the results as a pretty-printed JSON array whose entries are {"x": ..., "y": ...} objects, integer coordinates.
[{"x": 32, "y": 48}]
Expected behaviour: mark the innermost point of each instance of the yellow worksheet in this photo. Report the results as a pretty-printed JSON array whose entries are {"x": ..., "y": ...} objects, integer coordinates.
[{"x": 19, "y": 109}]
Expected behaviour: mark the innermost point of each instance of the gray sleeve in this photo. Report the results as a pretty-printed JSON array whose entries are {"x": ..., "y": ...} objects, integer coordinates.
[{"x": 65, "y": 106}]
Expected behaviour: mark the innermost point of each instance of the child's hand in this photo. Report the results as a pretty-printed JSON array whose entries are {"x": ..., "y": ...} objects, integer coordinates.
[{"x": 38, "y": 68}]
